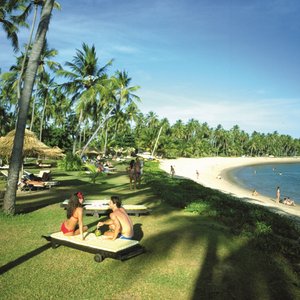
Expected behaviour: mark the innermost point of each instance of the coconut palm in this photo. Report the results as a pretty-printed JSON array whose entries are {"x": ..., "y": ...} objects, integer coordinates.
[
  {"x": 45, "y": 94},
  {"x": 29, "y": 5},
  {"x": 45, "y": 62},
  {"x": 85, "y": 80},
  {"x": 10, "y": 81},
  {"x": 16, "y": 157},
  {"x": 10, "y": 22},
  {"x": 117, "y": 96}
]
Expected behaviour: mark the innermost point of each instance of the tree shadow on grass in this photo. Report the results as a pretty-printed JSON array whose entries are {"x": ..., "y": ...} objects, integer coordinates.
[
  {"x": 242, "y": 273},
  {"x": 242, "y": 276},
  {"x": 12, "y": 264},
  {"x": 23, "y": 258}
]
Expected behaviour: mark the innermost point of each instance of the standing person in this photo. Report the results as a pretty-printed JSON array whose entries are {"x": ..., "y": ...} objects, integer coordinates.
[
  {"x": 277, "y": 194},
  {"x": 138, "y": 171},
  {"x": 172, "y": 171},
  {"x": 132, "y": 174},
  {"x": 74, "y": 223},
  {"x": 197, "y": 174},
  {"x": 120, "y": 224}
]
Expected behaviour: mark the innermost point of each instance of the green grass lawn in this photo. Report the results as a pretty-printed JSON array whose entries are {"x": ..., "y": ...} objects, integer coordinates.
[{"x": 189, "y": 255}]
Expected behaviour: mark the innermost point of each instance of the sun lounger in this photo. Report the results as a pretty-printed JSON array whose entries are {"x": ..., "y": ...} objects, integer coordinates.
[
  {"x": 5, "y": 167},
  {"x": 44, "y": 177},
  {"x": 101, "y": 207},
  {"x": 101, "y": 247},
  {"x": 4, "y": 172}
]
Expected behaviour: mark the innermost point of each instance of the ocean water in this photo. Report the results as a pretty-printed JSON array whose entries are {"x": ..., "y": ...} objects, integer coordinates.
[{"x": 265, "y": 179}]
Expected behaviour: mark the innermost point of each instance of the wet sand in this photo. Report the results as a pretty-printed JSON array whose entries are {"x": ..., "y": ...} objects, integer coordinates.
[{"x": 213, "y": 173}]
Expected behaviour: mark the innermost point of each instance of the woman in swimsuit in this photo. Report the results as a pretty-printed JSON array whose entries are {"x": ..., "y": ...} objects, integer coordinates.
[{"x": 74, "y": 224}]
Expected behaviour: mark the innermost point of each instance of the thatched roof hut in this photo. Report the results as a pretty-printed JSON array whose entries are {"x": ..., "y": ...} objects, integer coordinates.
[
  {"x": 32, "y": 146},
  {"x": 54, "y": 152}
]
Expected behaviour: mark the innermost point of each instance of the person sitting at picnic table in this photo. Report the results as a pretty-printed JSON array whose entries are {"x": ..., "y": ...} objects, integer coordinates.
[
  {"x": 120, "y": 224},
  {"x": 74, "y": 223}
]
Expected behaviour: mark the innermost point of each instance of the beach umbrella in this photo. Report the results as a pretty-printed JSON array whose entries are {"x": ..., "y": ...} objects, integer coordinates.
[{"x": 32, "y": 146}]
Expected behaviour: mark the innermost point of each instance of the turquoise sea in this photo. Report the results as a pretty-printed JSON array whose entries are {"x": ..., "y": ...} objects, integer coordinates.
[{"x": 265, "y": 179}]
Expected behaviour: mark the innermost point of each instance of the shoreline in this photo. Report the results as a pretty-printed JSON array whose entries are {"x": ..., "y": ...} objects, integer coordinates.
[{"x": 214, "y": 173}]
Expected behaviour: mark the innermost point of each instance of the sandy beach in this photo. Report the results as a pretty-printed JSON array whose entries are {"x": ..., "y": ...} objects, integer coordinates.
[{"x": 212, "y": 173}]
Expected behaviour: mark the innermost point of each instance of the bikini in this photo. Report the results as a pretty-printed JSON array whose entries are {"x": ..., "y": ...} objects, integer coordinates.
[{"x": 64, "y": 229}]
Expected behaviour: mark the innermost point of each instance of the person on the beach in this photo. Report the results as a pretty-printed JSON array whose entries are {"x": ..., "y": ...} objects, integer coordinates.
[
  {"x": 172, "y": 171},
  {"x": 197, "y": 174},
  {"x": 254, "y": 193},
  {"x": 278, "y": 195},
  {"x": 74, "y": 223},
  {"x": 288, "y": 201},
  {"x": 120, "y": 224}
]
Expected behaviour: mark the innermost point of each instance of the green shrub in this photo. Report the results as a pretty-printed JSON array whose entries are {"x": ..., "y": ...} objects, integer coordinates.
[
  {"x": 70, "y": 163},
  {"x": 94, "y": 172},
  {"x": 261, "y": 228}
]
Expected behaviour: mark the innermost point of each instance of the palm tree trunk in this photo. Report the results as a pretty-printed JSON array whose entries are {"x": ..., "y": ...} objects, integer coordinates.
[
  {"x": 25, "y": 55},
  {"x": 33, "y": 110},
  {"x": 42, "y": 118},
  {"x": 153, "y": 151},
  {"x": 77, "y": 135},
  {"x": 97, "y": 129},
  {"x": 16, "y": 157},
  {"x": 105, "y": 139}
]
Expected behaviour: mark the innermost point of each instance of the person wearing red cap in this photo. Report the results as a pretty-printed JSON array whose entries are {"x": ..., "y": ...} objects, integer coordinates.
[{"x": 74, "y": 223}]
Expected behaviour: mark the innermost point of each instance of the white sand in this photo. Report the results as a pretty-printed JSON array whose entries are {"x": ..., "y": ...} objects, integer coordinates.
[{"x": 212, "y": 174}]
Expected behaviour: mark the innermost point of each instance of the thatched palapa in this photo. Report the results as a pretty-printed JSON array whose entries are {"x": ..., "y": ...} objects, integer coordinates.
[{"x": 32, "y": 146}]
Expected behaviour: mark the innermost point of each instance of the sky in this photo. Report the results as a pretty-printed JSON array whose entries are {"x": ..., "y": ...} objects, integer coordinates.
[{"x": 231, "y": 62}]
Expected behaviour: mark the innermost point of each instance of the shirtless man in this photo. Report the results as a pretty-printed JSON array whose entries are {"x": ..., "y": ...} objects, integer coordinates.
[{"x": 120, "y": 224}]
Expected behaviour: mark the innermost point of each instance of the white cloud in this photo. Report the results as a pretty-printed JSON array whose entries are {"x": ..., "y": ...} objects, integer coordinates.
[{"x": 264, "y": 115}]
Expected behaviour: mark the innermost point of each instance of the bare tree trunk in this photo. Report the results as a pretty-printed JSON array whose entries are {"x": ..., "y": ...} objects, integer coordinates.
[{"x": 16, "y": 157}]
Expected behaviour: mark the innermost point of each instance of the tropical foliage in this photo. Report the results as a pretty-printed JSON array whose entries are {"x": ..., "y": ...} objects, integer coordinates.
[{"x": 86, "y": 104}]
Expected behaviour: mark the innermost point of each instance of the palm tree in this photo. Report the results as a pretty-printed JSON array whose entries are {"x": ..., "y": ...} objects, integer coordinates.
[
  {"x": 86, "y": 79},
  {"x": 45, "y": 93},
  {"x": 45, "y": 61},
  {"x": 119, "y": 97},
  {"x": 31, "y": 4},
  {"x": 10, "y": 22},
  {"x": 10, "y": 81},
  {"x": 16, "y": 157},
  {"x": 124, "y": 97}
]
